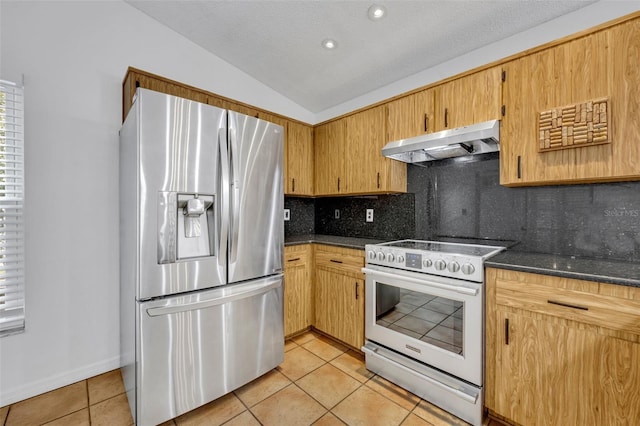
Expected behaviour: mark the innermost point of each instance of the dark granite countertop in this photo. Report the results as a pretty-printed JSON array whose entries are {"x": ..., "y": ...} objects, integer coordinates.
[
  {"x": 332, "y": 240},
  {"x": 600, "y": 270}
]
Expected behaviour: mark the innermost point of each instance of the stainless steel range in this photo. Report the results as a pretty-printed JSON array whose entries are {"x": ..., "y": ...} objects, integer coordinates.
[{"x": 424, "y": 321}]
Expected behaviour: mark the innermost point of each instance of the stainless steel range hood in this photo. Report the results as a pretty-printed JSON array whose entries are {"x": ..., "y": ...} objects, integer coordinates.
[{"x": 469, "y": 140}]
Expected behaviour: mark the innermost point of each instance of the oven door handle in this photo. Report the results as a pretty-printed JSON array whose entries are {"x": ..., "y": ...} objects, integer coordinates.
[
  {"x": 463, "y": 290},
  {"x": 460, "y": 394}
]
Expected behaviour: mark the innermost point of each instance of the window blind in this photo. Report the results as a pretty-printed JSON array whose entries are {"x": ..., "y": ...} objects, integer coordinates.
[{"x": 11, "y": 208}]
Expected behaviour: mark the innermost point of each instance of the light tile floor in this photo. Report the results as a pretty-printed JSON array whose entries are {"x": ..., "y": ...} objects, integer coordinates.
[{"x": 320, "y": 382}]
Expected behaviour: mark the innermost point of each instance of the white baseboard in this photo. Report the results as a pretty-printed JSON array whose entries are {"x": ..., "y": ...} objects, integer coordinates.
[{"x": 28, "y": 390}]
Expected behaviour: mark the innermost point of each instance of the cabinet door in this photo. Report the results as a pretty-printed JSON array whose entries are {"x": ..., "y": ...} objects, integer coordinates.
[
  {"x": 339, "y": 303},
  {"x": 329, "y": 158},
  {"x": 557, "y": 373},
  {"x": 298, "y": 290},
  {"x": 469, "y": 100},
  {"x": 411, "y": 115},
  {"x": 299, "y": 171},
  {"x": 366, "y": 168},
  {"x": 574, "y": 72}
]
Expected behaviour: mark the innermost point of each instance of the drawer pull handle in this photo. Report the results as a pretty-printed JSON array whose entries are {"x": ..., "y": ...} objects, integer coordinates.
[
  {"x": 356, "y": 283},
  {"x": 567, "y": 305},
  {"x": 336, "y": 261},
  {"x": 293, "y": 260}
]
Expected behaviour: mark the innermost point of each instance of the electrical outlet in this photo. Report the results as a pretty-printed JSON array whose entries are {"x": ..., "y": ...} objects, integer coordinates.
[
  {"x": 369, "y": 215},
  {"x": 287, "y": 215},
  {"x": 336, "y": 214}
]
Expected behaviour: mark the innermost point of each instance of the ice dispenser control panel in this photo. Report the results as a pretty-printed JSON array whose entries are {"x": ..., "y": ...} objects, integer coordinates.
[{"x": 186, "y": 226}]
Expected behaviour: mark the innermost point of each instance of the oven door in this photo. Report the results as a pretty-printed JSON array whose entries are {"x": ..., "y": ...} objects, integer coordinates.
[{"x": 436, "y": 320}]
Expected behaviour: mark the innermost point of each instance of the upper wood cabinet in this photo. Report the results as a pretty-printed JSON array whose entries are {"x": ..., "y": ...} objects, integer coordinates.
[
  {"x": 471, "y": 99},
  {"x": 603, "y": 64},
  {"x": 298, "y": 155},
  {"x": 367, "y": 170},
  {"x": 135, "y": 79},
  {"x": 411, "y": 115},
  {"x": 349, "y": 160},
  {"x": 299, "y": 171},
  {"x": 561, "y": 351},
  {"x": 329, "y": 151}
]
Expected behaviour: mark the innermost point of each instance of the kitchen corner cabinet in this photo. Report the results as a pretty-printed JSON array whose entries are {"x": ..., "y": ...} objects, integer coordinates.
[
  {"x": 348, "y": 157},
  {"x": 470, "y": 99},
  {"x": 561, "y": 351},
  {"x": 298, "y": 288},
  {"x": 339, "y": 294},
  {"x": 603, "y": 64},
  {"x": 299, "y": 159},
  {"x": 411, "y": 115}
]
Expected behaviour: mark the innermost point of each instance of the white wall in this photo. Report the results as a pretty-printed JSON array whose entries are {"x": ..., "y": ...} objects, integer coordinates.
[
  {"x": 74, "y": 56},
  {"x": 587, "y": 17}
]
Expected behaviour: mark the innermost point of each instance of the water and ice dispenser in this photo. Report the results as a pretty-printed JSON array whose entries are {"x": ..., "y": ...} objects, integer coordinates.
[{"x": 186, "y": 227}]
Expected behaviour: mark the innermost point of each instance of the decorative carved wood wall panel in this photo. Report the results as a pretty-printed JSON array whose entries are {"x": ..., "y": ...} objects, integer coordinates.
[{"x": 575, "y": 126}]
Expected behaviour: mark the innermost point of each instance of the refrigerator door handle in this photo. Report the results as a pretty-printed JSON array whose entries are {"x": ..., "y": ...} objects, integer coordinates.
[
  {"x": 253, "y": 290},
  {"x": 223, "y": 202},
  {"x": 234, "y": 216}
]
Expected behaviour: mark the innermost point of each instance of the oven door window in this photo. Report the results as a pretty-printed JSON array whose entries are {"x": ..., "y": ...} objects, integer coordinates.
[{"x": 431, "y": 319}]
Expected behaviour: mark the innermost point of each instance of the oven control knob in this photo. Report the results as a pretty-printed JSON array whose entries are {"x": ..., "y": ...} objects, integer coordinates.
[
  {"x": 380, "y": 256},
  {"x": 454, "y": 266},
  {"x": 371, "y": 254},
  {"x": 401, "y": 259},
  {"x": 468, "y": 269},
  {"x": 390, "y": 257},
  {"x": 427, "y": 263},
  {"x": 440, "y": 264}
]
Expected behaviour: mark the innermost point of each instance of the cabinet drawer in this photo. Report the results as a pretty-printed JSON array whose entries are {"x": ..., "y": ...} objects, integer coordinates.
[
  {"x": 340, "y": 259},
  {"x": 576, "y": 300},
  {"x": 297, "y": 255}
]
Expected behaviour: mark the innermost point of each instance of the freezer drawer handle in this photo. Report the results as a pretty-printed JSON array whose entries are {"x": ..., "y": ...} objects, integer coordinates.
[
  {"x": 164, "y": 310},
  {"x": 463, "y": 290},
  {"x": 469, "y": 398}
]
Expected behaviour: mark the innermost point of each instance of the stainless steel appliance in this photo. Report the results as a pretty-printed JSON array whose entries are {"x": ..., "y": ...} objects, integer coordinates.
[
  {"x": 431, "y": 342},
  {"x": 201, "y": 253},
  {"x": 480, "y": 138}
]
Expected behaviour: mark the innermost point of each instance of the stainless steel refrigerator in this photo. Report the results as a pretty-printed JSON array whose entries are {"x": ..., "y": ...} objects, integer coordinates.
[{"x": 201, "y": 252}]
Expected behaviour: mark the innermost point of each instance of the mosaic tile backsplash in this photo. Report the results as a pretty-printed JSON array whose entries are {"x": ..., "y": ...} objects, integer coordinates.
[{"x": 464, "y": 199}]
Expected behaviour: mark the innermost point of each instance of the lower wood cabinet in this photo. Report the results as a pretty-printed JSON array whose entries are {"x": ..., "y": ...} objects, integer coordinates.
[
  {"x": 298, "y": 288},
  {"x": 562, "y": 351},
  {"x": 339, "y": 294}
]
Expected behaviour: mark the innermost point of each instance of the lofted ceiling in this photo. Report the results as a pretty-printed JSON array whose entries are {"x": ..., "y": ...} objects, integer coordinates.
[{"x": 279, "y": 42}]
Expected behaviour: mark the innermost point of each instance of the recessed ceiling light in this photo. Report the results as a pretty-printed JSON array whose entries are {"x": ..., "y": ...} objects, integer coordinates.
[
  {"x": 329, "y": 44},
  {"x": 377, "y": 12}
]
